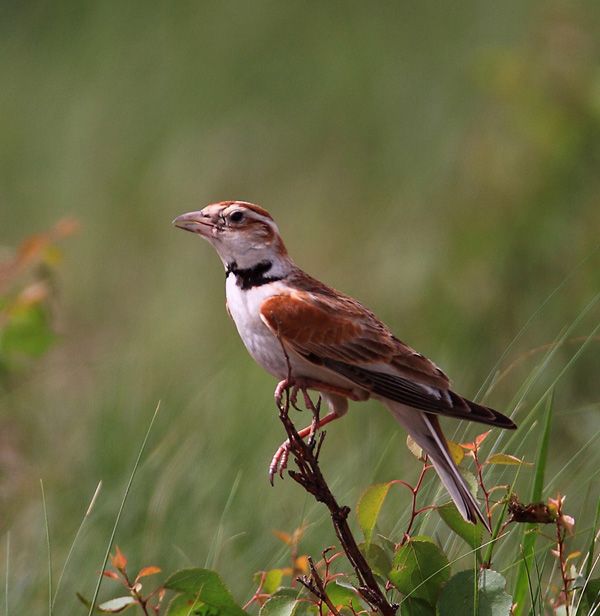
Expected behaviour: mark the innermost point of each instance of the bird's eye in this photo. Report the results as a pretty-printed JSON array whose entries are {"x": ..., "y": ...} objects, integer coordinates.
[{"x": 236, "y": 216}]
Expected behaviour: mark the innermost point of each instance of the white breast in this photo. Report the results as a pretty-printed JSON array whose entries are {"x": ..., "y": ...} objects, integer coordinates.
[
  {"x": 244, "y": 307},
  {"x": 265, "y": 348}
]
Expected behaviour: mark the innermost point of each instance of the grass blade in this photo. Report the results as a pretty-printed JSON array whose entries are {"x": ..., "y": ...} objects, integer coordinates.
[
  {"x": 488, "y": 381},
  {"x": 529, "y": 538},
  {"x": 6, "y": 576},
  {"x": 72, "y": 548},
  {"x": 591, "y": 549},
  {"x": 48, "y": 548},
  {"x": 119, "y": 513}
]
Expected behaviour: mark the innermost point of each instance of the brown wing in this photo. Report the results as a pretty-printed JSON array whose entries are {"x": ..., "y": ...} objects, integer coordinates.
[
  {"x": 337, "y": 332},
  {"x": 337, "y": 327}
]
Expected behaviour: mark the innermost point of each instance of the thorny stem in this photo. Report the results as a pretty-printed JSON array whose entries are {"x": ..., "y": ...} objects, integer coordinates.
[
  {"x": 316, "y": 585},
  {"x": 486, "y": 493},
  {"x": 414, "y": 512},
  {"x": 561, "y": 532},
  {"x": 143, "y": 603},
  {"x": 310, "y": 477},
  {"x": 560, "y": 540},
  {"x": 258, "y": 594}
]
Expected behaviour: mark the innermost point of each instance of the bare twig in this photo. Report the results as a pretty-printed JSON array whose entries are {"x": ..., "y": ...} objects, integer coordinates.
[
  {"x": 316, "y": 586},
  {"x": 414, "y": 492},
  {"x": 310, "y": 477}
]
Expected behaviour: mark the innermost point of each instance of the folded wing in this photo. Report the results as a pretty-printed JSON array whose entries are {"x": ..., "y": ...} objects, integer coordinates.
[{"x": 340, "y": 334}]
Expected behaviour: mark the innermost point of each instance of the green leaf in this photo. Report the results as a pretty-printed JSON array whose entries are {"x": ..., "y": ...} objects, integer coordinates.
[
  {"x": 414, "y": 448},
  {"x": 591, "y": 596},
  {"x": 459, "y": 596},
  {"x": 206, "y": 586},
  {"x": 282, "y": 603},
  {"x": 506, "y": 458},
  {"x": 343, "y": 595},
  {"x": 272, "y": 581},
  {"x": 416, "y": 607},
  {"x": 307, "y": 608},
  {"x": 369, "y": 506},
  {"x": 456, "y": 451},
  {"x": 186, "y": 605},
  {"x": 471, "y": 533},
  {"x": 377, "y": 558},
  {"x": 471, "y": 480},
  {"x": 27, "y": 332},
  {"x": 420, "y": 569},
  {"x": 117, "y": 605}
]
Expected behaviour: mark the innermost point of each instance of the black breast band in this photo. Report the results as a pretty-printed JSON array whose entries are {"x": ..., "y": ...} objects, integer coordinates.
[{"x": 251, "y": 276}]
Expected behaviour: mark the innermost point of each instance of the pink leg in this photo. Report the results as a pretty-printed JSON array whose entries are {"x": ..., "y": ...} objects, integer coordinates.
[
  {"x": 279, "y": 461},
  {"x": 305, "y": 384}
]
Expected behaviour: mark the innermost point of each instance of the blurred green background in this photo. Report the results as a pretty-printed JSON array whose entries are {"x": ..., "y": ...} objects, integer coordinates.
[{"x": 439, "y": 161}]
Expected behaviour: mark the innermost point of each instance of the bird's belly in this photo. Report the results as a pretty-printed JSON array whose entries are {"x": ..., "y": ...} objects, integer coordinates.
[
  {"x": 263, "y": 346},
  {"x": 265, "y": 349}
]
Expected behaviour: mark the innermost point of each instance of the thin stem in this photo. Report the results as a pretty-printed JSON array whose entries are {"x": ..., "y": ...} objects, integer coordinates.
[
  {"x": 48, "y": 548},
  {"x": 310, "y": 477},
  {"x": 486, "y": 493},
  {"x": 121, "y": 507},
  {"x": 74, "y": 542},
  {"x": 560, "y": 541},
  {"x": 316, "y": 585},
  {"x": 143, "y": 603},
  {"x": 414, "y": 512},
  {"x": 7, "y": 570}
]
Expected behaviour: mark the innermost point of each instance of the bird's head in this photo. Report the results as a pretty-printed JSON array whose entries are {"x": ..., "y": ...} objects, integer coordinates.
[{"x": 241, "y": 232}]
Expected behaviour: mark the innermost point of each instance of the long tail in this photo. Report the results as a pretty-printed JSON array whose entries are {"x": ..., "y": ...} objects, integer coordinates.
[{"x": 426, "y": 431}]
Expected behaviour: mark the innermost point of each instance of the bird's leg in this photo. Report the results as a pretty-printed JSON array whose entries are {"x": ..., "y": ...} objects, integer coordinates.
[
  {"x": 304, "y": 384},
  {"x": 293, "y": 385},
  {"x": 316, "y": 412},
  {"x": 279, "y": 461}
]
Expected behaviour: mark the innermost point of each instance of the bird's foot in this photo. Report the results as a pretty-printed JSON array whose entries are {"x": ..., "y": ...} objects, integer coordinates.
[
  {"x": 303, "y": 385},
  {"x": 287, "y": 385},
  {"x": 279, "y": 461}
]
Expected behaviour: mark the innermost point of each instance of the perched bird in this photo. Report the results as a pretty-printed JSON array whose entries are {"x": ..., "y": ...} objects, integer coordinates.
[{"x": 292, "y": 324}]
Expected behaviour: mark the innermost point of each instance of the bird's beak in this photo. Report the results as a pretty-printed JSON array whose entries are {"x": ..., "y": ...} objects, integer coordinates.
[{"x": 196, "y": 222}]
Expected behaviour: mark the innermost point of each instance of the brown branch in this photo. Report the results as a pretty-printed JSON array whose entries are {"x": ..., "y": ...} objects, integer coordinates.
[
  {"x": 310, "y": 477},
  {"x": 414, "y": 493},
  {"x": 316, "y": 586}
]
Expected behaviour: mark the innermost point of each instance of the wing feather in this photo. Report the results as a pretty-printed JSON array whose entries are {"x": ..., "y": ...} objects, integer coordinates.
[
  {"x": 337, "y": 327},
  {"x": 339, "y": 333}
]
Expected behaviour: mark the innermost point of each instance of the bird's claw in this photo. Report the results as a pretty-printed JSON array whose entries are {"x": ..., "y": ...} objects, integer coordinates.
[
  {"x": 282, "y": 387},
  {"x": 279, "y": 461}
]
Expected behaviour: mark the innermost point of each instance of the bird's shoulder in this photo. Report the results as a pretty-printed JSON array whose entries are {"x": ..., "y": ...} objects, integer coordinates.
[{"x": 322, "y": 322}]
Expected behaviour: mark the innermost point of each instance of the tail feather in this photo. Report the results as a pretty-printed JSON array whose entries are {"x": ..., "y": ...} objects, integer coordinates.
[
  {"x": 425, "y": 430},
  {"x": 403, "y": 390}
]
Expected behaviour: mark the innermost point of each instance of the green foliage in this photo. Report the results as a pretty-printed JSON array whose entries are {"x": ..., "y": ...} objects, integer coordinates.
[
  {"x": 369, "y": 506},
  {"x": 486, "y": 597},
  {"x": 416, "y": 607},
  {"x": 204, "y": 590},
  {"x": 272, "y": 581},
  {"x": 522, "y": 586},
  {"x": 420, "y": 569},
  {"x": 471, "y": 533},
  {"x": 28, "y": 332},
  {"x": 378, "y": 559},
  {"x": 591, "y": 597},
  {"x": 283, "y": 603},
  {"x": 343, "y": 595},
  {"x": 446, "y": 155}
]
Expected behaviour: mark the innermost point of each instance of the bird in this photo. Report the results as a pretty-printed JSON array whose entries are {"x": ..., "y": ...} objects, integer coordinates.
[{"x": 309, "y": 335}]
